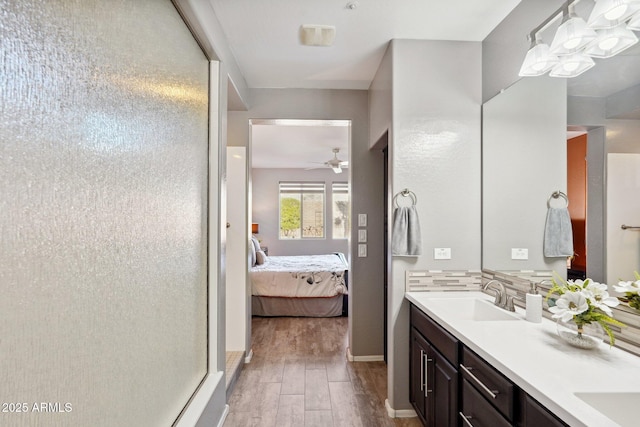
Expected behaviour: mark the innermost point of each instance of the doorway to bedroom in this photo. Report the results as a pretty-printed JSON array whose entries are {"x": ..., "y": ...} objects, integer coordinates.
[
  {"x": 300, "y": 186},
  {"x": 300, "y": 217},
  {"x": 296, "y": 177}
]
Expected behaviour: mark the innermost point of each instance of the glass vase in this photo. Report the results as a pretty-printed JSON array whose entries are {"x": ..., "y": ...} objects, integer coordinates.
[{"x": 587, "y": 335}]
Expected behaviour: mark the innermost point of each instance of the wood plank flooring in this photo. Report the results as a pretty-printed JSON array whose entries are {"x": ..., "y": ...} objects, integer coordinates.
[{"x": 299, "y": 376}]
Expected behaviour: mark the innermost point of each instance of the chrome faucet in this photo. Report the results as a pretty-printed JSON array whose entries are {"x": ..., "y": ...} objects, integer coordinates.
[{"x": 500, "y": 292}]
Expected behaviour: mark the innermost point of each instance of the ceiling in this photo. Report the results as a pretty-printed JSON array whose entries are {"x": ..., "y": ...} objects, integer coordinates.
[
  {"x": 298, "y": 143},
  {"x": 264, "y": 38},
  {"x": 264, "y": 35}
]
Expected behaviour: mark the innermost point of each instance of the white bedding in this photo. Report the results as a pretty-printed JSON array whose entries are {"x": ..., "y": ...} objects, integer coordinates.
[{"x": 301, "y": 276}]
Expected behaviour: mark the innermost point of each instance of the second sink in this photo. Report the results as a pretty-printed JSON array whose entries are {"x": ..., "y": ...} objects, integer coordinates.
[{"x": 472, "y": 309}]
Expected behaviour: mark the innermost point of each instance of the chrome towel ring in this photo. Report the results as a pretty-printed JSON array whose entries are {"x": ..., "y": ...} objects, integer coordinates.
[
  {"x": 555, "y": 195},
  {"x": 405, "y": 193}
]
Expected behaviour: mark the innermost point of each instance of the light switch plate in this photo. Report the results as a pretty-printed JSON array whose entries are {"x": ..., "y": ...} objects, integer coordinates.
[
  {"x": 442, "y": 253},
  {"x": 519, "y": 253},
  {"x": 362, "y": 220},
  {"x": 362, "y": 250},
  {"x": 362, "y": 236}
]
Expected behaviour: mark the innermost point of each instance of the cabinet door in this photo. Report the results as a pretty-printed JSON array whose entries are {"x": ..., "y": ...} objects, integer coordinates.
[
  {"x": 534, "y": 414},
  {"x": 444, "y": 385},
  {"x": 417, "y": 374}
]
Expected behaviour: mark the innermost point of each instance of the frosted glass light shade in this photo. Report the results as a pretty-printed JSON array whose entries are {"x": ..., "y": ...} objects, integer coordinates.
[
  {"x": 609, "y": 13},
  {"x": 611, "y": 41},
  {"x": 538, "y": 61},
  {"x": 572, "y": 65},
  {"x": 571, "y": 36},
  {"x": 634, "y": 22}
]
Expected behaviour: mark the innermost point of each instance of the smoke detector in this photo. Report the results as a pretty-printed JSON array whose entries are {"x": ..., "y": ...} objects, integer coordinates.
[{"x": 317, "y": 35}]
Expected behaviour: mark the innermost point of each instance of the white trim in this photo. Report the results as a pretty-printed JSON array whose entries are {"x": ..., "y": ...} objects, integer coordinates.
[
  {"x": 200, "y": 400},
  {"x": 249, "y": 356},
  {"x": 372, "y": 358},
  {"x": 223, "y": 418},
  {"x": 399, "y": 413}
]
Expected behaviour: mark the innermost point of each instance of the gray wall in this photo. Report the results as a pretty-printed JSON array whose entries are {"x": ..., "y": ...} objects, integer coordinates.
[
  {"x": 365, "y": 169},
  {"x": 435, "y": 152},
  {"x": 265, "y": 211}
]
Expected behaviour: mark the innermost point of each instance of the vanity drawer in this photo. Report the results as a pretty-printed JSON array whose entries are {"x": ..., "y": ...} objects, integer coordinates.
[
  {"x": 495, "y": 387},
  {"x": 477, "y": 412},
  {"x": 446, "y": 343}
]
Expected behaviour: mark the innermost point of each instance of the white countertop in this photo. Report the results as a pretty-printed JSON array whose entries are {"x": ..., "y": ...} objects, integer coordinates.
[{"x": 539, "y": 362}]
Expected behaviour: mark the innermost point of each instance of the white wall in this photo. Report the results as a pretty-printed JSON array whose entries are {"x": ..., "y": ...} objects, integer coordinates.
[
  {"x": 238, "y": 317},
  {"x": 265, "y": 211},
  {"x": 435, "y": 152}
]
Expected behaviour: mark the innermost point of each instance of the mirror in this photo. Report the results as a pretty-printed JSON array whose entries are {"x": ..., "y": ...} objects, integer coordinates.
[{"x": 523, "y": 163}]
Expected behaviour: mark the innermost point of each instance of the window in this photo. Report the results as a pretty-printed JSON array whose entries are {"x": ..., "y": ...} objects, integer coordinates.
[
  {"x": 340, "y": 210},
  {"x": 302, "y": 210}
]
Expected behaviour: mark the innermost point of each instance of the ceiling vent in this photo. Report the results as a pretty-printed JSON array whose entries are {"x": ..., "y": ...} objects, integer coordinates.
[{"x": 317, "y": 35}]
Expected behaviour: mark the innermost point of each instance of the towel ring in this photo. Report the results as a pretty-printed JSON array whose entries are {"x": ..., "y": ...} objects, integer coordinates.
[
  {"x": 555, "y": 195},
  {"x": 405, "y": 193}
]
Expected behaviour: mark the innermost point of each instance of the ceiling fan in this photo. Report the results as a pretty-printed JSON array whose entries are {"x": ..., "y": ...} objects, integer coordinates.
[{"x": 336, "y": 164}]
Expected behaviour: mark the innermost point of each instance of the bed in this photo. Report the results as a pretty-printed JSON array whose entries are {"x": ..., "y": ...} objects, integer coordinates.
[{"x": 302, "y": 285}]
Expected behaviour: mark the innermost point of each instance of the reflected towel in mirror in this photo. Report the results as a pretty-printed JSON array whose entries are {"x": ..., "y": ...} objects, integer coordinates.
[
  {"x": 558, "y": 235},
  {"x": 406, "y": 238}
]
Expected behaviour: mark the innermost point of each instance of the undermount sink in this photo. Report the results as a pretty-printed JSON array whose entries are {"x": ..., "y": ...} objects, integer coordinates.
[
  {"x": 472, "y": 309},
  {"x": 619, "y": 407}
]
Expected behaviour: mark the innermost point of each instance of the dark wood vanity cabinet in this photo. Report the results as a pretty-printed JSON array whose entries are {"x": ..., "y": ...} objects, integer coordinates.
[
  {"x": 533, "y": 414},
  {"x": 451, "y": 386},
  {"x": 433, "y": 378}
]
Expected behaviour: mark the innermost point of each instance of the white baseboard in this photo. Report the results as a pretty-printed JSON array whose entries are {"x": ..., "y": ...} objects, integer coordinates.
[
  {"x": 400, "y": 413},
  {"x": 224, "y": 416},
  {"x": 249, "y": 356},
  {"x": 372, "y": 358}
]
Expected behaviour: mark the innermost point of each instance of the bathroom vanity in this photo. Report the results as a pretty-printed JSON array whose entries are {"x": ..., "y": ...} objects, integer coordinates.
[{"x": 474, "y": 364}]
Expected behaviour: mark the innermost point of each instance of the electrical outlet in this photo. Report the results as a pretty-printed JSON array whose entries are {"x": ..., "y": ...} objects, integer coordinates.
[
  {"x": 442, "y": 253},
  {"x": 362, "y": 220},
  {"x": 362, "y": 236},
  {"x": 519, "y": 253}
]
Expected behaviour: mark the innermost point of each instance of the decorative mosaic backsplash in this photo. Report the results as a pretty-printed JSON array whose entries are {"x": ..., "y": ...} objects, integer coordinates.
[{"x": 441, "y": 280}]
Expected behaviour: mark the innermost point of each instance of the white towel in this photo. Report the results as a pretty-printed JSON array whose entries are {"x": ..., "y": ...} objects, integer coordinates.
[
  {"x": 406, "y": 238},
  {"x": 558, "y": 235}
]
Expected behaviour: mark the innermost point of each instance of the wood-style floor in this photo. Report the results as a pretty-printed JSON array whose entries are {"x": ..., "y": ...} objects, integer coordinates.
[{"x": 299, "y": 376}]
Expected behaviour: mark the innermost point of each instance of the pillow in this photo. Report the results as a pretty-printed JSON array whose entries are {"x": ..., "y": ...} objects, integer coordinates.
[
  {"x": 252, "y": 250},
  {"x": 261, "y": 257},
  {"x": 256, "y": 243}
]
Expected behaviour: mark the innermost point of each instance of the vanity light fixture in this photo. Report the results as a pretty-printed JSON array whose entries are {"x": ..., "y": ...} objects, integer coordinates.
[
  {"x": 572, "y": 65},
  {"x": 576, "y": 42},
  {"x": 609, "y": 13},
  {"x": 572, "y": 35},
  {"x": 634, "y": 22},
  {"x": 611, "y": 41},
  {"x": 539, "y": 59}
]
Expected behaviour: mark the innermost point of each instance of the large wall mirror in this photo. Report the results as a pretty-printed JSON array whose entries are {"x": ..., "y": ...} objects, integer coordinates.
[
  {"x": 523, "y": 164},
  {"x": 528, "y": 130}
]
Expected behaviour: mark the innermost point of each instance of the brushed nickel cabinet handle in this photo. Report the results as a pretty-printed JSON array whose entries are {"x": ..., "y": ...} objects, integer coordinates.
[
  {"x": 425, "y": 363},
  {"x": 492, "y": 393},
  {"x": 422, "y": 370},
  {"x": 466, "y": 419}
]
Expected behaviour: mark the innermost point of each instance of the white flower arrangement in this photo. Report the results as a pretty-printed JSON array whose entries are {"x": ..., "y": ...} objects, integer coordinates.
[
  {"x": 630, "y": 289},
  {"x": 583, "y": 301}
]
